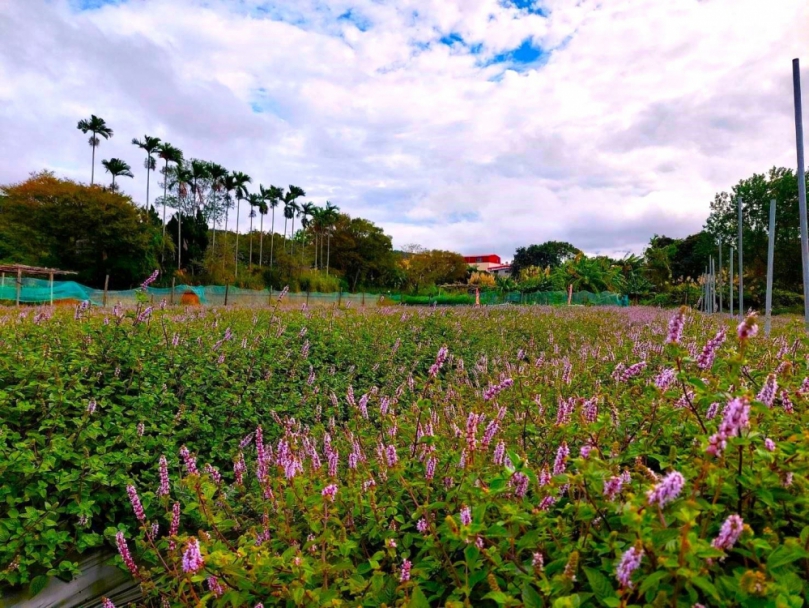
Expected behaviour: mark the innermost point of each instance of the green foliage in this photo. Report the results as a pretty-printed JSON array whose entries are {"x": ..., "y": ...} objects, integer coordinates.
[
  {"x": 367, "y": 383},
  {"x": 549, "y": 254},
  {"x": 57, "y": 223}
]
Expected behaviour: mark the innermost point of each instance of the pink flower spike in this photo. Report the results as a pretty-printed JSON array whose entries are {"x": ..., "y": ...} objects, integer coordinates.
[{"x": 192, "y": 558}]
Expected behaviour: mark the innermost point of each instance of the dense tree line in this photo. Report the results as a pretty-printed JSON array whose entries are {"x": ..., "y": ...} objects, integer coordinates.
[{"x": 670, "y": 270}]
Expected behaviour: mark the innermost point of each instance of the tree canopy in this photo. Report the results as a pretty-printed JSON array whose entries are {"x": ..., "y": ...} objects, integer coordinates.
[{"x": 54, "y": 222}]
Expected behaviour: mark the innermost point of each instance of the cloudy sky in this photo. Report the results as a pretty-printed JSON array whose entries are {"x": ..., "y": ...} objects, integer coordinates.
[{"x": 471, "y": 125}]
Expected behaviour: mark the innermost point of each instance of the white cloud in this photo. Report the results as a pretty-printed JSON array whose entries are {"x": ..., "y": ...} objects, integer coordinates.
[{"x": 639, "y": 112}]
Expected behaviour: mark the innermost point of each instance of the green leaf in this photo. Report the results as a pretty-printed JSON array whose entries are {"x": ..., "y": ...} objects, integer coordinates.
[
  {"x": 602, "y": 588},
  {"x": 784, "y": 555},
  {"x": 37, "y": 584},
  {"x": 418, "y": 599},
  {"x": 706, "y": 585},
  {"x": 530, "y": 597},
  {"x": 652, "y": 581}
]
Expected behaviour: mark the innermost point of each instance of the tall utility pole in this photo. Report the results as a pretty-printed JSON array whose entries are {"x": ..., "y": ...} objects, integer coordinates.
[
  {"x": 731, "y": 281},
  {"x": 770, "y": 253},
  {"x": 741, "y": 266},
  {"x": 721, "y": 286},
  {"x": 796, "y": 86}
]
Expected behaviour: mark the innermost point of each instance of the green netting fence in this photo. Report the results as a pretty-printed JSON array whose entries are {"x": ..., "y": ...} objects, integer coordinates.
[
  {"x": 40, "y": 291},
  {"x": 543, "y": 298}
]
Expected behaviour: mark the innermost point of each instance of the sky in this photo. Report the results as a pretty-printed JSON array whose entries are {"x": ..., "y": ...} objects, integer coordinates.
[{"x": 476, "y": 126}]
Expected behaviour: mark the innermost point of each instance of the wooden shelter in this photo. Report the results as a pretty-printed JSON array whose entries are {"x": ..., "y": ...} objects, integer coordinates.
[{"x": 21, "y": 269}]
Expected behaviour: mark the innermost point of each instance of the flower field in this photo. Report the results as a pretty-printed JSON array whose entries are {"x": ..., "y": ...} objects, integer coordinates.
[{"x": 510, "y": 456}]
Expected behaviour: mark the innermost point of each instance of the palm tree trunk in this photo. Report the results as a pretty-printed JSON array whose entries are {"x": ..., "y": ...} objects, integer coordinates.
[
  {"x": 224, "y": 239},
  {"x": 113, "y": 182},
  {"x": 328, "y": 251},
  {"x": 93, "y": 167},
  {"x": 236, "y": 259},
  {"x": 165, "y": 193},
  {"x": 148, "y": 157},
  {"x": 213, "y": 243},
  {"x": 286, "y": 219},
  {"x": 272, "y": 236},
  {"x": 261, "y": 243},
  {"x": 250, "y": 263},
  {"x": 179, "y": 235},
  {"x": 292, "y": 236}
]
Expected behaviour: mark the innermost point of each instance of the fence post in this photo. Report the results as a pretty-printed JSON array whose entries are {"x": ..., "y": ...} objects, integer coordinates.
[
  {"x": 363, "y": 299},
  {"x": 19, "y": 285},
  {"x": 173, "y": 279},
  {"x": 227, "y": 286},
  {"x": 569, "y": 294},
  {"x": 50, "y": 278},
  {"x": 741, "y": 265},
  {"x": 796, "y": 89},
  {"x": 731, "y": 281},
  {"x": 307, "y": 298},
  {"x": 770, "y": 254},
  {"x": 339, "y": 297},
  {"x": 106, "y": 285}
]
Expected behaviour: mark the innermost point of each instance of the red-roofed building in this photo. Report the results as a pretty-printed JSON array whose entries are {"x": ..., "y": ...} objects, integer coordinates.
[{"x": 483, "y": 262}]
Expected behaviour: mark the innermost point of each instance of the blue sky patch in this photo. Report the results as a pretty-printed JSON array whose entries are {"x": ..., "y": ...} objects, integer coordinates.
[
  {"x": 261, "y": 102},
  {"x": 88, "y": 5},
  {"x": 452, "y": 39},
  {"x": 358, "y": 20},
  {"x": 522, "y": 57},
  {"x": 532, "y": 7}
]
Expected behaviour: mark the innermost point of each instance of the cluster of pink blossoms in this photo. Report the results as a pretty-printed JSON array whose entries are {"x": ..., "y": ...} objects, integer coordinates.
[
  {"x": 192, "y": 558},
  {"x": 667, "y": 490},
  {"x": 729, "y": 533},
  {"x": 735, "y": 417},
  {"x": 708, "y": 354},
  {"x": 630, "y": 561}
]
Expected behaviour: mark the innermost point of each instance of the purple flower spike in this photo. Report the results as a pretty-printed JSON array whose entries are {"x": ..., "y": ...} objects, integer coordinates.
[{"x": 630, "y": 561}]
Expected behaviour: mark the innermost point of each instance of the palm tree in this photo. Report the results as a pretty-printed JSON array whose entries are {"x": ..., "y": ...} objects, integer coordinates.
[
  {"x": 228, "y": 185},
  {"x": 217, "y": 174},
  {"x": 273, "y": 197},
  {"x": 170, "y": 154},
  {"x": 149, "y": 145},
  {"x": 290, "y": 208},
  {"x": 331, "y": 213},
  {"x": 199, "y": 173},
  {"x": 307, "y": 211},
  {"x": 241, "y": 180},
  {"x": 116, "y": 167},
  {"x": 183, "y": 178},
  {"x": 255, "y": 201},
  {"x": 96, "y": 126}
]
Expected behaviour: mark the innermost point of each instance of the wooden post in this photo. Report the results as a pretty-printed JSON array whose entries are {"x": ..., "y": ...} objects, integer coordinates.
[
  {"x": 227, "y": 287},
  {"x": 363, "y": 299},
  {"x": 339, "y": 297},
  {"x": 569, "y": 294},
  {"x": 307, "y": 298},
  {"x": 731, "y": 281},
  {"x": 19, "y": 285},
  {"x": 106, "y": 286},
  {"x": 173, "y": 279},
  {"x": 269, "y": 298},
  {"x": 50, "y": 276}
]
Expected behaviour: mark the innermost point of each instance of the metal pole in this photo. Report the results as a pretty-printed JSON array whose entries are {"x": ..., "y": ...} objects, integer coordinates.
[
  {"x": 796, "y": 86},
  {"x": 106, "y": 285},
  {"x": 731, "y": 281},
  {"x": 720, "y": 277},
  {"x": 770, "y": 254},
  {"x": 741, "y": 266},
  {"x": 227, "y": 287},
  {"x": 19, "y": 285},
  {"x": 713, "y": 287}
]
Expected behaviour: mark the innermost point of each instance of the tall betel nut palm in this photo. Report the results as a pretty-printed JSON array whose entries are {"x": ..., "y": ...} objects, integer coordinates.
[
  {"x": 169, "y": 154},
  {"x": 117, "y": 168},
  {"x": 98, "y": 128},
  {"x": 149, "y": 145}
]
